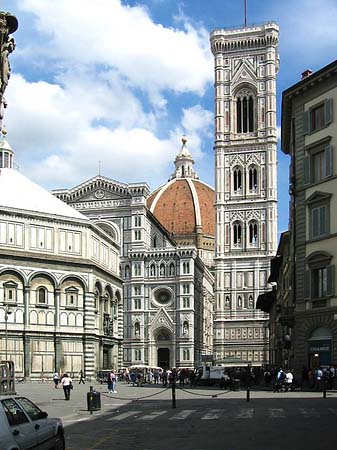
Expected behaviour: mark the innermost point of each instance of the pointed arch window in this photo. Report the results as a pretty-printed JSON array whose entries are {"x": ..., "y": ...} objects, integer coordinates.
[
  {"x": 253, "y": 233},
  {"x": 245, "y": 115},
  {"x": 237, "y": 234},
  {"x": 252, "y": 179},
  {"x": 237, "y": 180},
  {"x": 172, "y": 270}
]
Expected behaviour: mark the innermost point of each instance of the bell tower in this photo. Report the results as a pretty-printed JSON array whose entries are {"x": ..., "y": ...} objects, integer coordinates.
[{"x": 246, "y": 63}]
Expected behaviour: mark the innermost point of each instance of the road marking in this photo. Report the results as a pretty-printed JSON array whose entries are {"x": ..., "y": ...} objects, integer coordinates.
[
  {"x": 212, "y": 414},
  {"x": 125, "y": 415},
  {"x": 309, "y": 412},
  {"x": 333, "y": 411},
  {"x": 183, "y": 414},
  {"x": 153, "y": 415},
  {"x": 276, "y": 413},
  {"x": 246, "y": 413}
]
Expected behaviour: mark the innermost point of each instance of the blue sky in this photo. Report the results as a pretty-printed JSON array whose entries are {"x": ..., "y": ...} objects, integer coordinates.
[{"x": 120, "y": 82}]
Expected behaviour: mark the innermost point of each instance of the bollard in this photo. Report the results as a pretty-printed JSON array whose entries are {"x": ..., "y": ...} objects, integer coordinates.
[
  {"x": 324, "y": 388},
  {"x": 173, "y": 393},
  {"x": 248, "y": 394},
  {"x": 90, "y": 399}
]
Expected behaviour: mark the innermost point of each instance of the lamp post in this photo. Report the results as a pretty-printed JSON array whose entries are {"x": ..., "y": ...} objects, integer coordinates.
[{"x": 8, "y": 311}]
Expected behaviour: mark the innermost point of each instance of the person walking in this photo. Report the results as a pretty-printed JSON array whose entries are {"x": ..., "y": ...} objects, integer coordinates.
[
  {"x": 67, "y": 384},
  {"x": 81, "y": 374},
  {"x": 56, "y": 379},
  {"x": 112, "y": 382}
]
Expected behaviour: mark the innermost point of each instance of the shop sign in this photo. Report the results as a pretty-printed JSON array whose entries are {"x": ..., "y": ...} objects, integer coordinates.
[{"x": 320, "y": 346}]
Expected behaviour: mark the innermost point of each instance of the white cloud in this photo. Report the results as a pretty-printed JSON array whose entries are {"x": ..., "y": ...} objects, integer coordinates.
[
  {"x": 150, "y": 56},
  {"x": 99, "y": 60}
]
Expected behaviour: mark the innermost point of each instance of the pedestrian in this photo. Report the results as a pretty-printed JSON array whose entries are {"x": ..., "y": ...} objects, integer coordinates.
[
  {"x": 112, "y": 382},
  {"x": 81, "y": 374},
  {"x": 67, "y": 384},
  {"x": 164, "y": 378},
  {"x": 289, "y": 379},
  {"x": 56, "y": 379}
]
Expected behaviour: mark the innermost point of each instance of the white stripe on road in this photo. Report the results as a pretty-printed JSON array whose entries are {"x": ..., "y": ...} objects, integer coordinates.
[
  {"x": 309, "y": 412},
  {"x": 183, "y": 414},
  {"x": 333, "y": 411},
  {"x": 125, "y": 415},
  {"x": 276, "y": 413},
  {"x": 246, "y": 413},
  {"x": 212, "y": 414},
  {"x": 153, "y": 415}
]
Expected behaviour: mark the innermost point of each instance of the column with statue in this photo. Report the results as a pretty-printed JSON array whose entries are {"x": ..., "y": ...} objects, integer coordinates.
[{"x": 8, "y": 25}]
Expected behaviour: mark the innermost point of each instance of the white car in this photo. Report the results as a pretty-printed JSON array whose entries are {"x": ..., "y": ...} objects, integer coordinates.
[{"x": 24, "y": 426}]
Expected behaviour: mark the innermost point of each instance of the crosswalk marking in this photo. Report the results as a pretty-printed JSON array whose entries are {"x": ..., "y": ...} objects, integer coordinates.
[
  {"x": 246, "y": 413},
  {"x": 276, "y": 413},
  {"x": 212, "y": 414},
  {"x": 309, "y": 412},
  {"x": 183, "y": 414},
  {"x": 125, "y": 415},
  {"x": 216, "y": 414},
  {"x": 153, "y": 415}
]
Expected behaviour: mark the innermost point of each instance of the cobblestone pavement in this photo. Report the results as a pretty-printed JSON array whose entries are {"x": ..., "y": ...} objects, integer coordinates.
[{"x": 204, "y": 419}]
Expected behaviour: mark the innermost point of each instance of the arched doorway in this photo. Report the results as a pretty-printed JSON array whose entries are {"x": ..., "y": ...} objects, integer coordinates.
[
  {"x": 319, "y": 347},
  {"x": 163, "y": 357},
  {"x": 164, "y": 348}
]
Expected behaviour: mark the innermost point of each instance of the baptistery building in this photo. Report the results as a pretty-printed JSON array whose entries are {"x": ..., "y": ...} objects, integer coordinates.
[{"x": 60, "y": 289}]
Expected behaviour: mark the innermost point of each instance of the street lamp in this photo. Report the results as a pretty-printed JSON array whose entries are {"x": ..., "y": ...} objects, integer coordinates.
[{"x": 8, "y": 311}]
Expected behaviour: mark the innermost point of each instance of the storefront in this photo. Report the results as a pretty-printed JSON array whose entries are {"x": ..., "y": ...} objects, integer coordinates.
[{"x": 320, "y": 347}]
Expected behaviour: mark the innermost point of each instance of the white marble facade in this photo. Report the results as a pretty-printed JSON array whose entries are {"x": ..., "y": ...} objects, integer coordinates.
[
  {"x": 60, "y": 288},
  {"x": 246, "y": 63}
]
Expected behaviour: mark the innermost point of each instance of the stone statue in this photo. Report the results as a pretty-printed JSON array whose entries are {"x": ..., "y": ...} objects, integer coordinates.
[
  {"x": 6, "y": 49},
  {"x": 8, "y": 25}
]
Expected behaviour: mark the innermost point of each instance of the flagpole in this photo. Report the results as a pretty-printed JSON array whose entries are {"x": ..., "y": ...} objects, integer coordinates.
[{"x": 245, "y": 7}]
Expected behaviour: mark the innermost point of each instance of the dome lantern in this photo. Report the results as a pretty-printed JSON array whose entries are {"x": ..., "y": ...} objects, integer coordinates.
[
  {"x": 184, "y": 163},
  {"x": 6, "y": 153}
]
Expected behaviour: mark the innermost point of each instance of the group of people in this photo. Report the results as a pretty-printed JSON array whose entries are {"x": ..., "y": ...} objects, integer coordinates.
[
  {"x": 319, "y": 378},
  {"x": 165, "y": 377},
  {"x": 66, "y": 382}
]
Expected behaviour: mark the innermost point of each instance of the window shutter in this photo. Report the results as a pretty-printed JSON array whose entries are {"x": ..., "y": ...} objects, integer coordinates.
[
  {"x": 307, "y": 284},
  {"x": 314, "y": 222},
  {"x": 306, "y": 168},
  {"x": 328, "y": 161},
  {"x": 331, "y": 280},
  {"x": 305, "y": 120},
  {"x": 328, "y": 111}
]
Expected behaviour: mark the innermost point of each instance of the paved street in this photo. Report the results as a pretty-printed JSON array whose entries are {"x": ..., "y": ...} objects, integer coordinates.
[{"x": 200, "y": 421}]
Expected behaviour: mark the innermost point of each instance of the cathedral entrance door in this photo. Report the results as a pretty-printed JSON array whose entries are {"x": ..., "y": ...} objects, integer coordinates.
[{"x": 164, "y": 358}]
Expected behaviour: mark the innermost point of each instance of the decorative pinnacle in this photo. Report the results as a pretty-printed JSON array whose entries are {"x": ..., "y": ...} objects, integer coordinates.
[
  {"x": 4, "y": 131},
  {"x": 184, "y": 139}
]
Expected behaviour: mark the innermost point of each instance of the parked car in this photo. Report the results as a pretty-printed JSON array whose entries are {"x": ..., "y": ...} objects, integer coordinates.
[{"x": 23, "y": 425}]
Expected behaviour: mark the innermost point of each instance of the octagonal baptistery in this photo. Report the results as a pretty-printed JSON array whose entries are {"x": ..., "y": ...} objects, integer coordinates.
[{"x": 185, "y": 206}]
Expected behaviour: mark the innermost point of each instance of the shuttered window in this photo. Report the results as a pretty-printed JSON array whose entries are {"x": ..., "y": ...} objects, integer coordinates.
[
  {"x": 319, "y": 225},
  {"x": 318, "y": 117},
  {"x": 318, "y": 165},
  {"x": 319, "y": 282}
]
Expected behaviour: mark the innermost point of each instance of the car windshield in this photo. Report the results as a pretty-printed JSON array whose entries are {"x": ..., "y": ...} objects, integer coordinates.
[{"x": 33, "y": 411}]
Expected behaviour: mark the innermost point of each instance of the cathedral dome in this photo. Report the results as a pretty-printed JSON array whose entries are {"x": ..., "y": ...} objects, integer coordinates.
[{"x": 185, "y": 205}]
